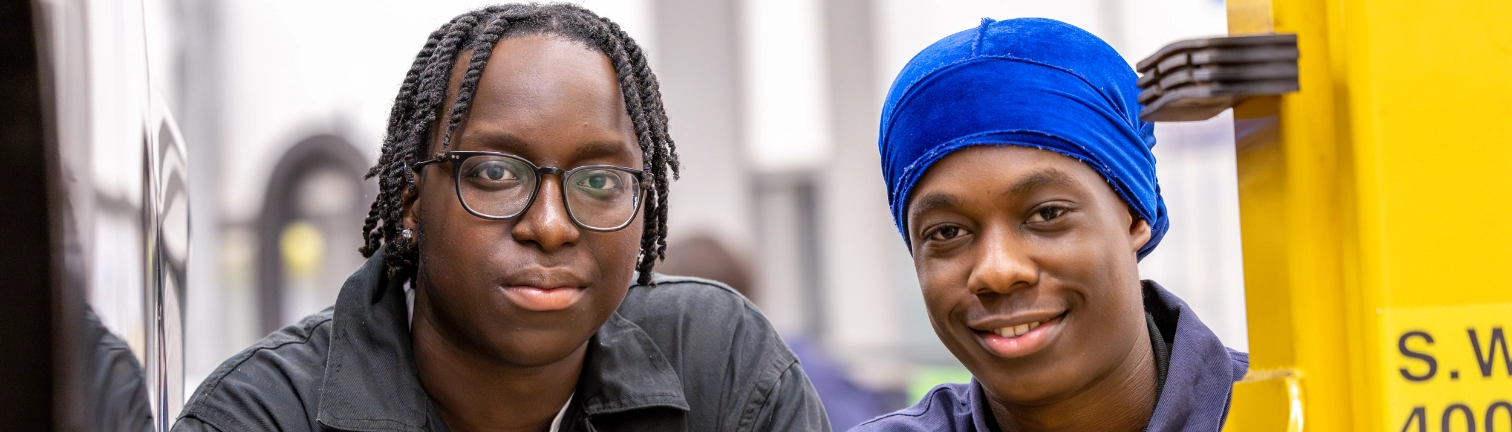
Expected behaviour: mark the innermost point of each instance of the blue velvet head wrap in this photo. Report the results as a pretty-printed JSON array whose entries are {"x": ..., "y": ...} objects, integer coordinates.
[{"x": 1029, "y": 82}]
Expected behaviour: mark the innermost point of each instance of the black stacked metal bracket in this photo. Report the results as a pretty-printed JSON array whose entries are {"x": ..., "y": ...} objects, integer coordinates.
[{"x": 1196, "y": 79}]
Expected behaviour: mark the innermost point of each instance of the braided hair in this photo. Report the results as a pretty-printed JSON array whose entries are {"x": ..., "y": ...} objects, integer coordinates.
[{"x": 422, "y": 96}]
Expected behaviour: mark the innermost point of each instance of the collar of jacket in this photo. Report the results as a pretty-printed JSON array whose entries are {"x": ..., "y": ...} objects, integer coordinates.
[
  {"x": 371, "y": 382},
  {"x": 1197, "y": 389}
]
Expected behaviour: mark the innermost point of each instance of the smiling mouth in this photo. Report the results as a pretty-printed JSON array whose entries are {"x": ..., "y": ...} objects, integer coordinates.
[
  {"x": 1020, "y": 339},
  {"x": 1018, "y": 330}
]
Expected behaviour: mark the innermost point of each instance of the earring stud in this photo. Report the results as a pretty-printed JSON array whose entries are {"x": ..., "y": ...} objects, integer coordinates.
[{"x": 407, "y": 234}]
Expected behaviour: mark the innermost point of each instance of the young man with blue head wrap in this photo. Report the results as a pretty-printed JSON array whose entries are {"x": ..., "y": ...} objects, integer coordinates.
[{"x": 1021, "y": 177}]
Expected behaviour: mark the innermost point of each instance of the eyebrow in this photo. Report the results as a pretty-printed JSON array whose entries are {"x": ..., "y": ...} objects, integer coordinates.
[
  {"x": 1043, "y": 176},
  {"x": 498, "y": 141},
  {"x": 509, "y": 143},
  {"x": 933, "y": 201},
  {"x": 600, "y": 149},
  {"x": 1036, "y": 179}
]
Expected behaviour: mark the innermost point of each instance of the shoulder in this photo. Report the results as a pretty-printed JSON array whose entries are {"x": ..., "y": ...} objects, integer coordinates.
[
  {"x": 271, "y": 385},
  {"x": 699, "y": 317},
  {"x": 1239, "y": 363},
  {"x": 682, "y": 310},
  {"x": 732, "y": 363},
  {"x": 947, "y": 407},
  {"x": 690, "y": 295}
]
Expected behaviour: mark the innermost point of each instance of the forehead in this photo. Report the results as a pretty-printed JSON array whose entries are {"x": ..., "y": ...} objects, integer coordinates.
[
  {"x": 535, "y": 68},
  {"x": 541, "y": 88},
  {"x": 1003, "y": 171}
]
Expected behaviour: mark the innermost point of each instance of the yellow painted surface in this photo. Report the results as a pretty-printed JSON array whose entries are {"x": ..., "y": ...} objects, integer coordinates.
[
  {"x": 1446, "y": 363},
  {"x": 1249, "y": 16},
  {"x": 1378, "y": 196},
  {"x": 1431, "y": 95},
  {"x": 1272, "y": 400}
]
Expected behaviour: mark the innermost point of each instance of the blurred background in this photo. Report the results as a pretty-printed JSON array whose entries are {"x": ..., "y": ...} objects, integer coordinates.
[{"x": 774, "y": 107}]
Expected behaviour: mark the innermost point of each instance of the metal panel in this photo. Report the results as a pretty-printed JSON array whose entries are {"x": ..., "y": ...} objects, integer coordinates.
[
  {"x": 122, "y": 227},
  {"x": 28, "y": 273},
  {"x": 1373, "y": 207}
]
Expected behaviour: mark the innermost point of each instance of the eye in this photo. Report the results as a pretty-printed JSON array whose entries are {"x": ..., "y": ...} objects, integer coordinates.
[
  {"x": 599, "y": 181},
  {"x": 944, "y": 233},
  {"x": 1047, "y": 213},
  {"x": 600, "y": 184},
  {"x": 493, "y": 171}
]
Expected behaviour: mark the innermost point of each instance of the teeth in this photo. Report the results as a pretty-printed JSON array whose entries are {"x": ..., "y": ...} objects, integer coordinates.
[{"x": 1016, "y": 331}]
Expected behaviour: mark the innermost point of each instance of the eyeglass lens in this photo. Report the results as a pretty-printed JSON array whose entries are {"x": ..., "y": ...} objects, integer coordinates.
[{"x": 501, "y": 187}]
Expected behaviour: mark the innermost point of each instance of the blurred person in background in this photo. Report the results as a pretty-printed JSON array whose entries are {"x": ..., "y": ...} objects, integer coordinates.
[
  {"x": 1021, "y": 178},
  {"x": 509, "y": 285},
  {"x": 846, "y": 403}
]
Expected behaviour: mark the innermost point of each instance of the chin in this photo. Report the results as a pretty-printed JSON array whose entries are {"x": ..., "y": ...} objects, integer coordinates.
[
  {"x": 1027, "y": 388},
  {"x": 1040, "y": 379},
  {"x": 527, "y": 348}
]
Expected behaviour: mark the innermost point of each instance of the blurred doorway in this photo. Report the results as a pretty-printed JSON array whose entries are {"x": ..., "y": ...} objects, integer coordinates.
[{"x": 309, "y": 229}]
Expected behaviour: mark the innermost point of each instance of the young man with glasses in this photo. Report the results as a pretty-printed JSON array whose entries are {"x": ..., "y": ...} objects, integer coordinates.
[{"x": 523, "y": 184}]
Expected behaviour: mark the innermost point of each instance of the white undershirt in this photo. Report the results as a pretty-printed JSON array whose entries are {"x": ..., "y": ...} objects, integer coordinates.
[
  {"x": 556, "y": 423},
  {"x": 409, "y": 303}
]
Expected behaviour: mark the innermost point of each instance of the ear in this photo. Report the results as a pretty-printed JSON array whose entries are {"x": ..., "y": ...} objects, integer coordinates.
[
  {"x": 1139, "y": 232},
  {"x": 410, "y": 216}
]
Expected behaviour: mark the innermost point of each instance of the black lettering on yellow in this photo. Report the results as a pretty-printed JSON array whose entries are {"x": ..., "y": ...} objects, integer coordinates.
[
  {"x": 1448, "y": 415},
  {"x": 1424, "y": 357},
  {"x": 1487, "y": 362},
  {"x": 1419, "y": 414},
  {"x": 1491, "y": 414}
]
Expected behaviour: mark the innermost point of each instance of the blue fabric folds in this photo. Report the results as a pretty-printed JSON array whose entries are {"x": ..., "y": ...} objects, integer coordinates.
[{"x": 1030, "y": 82}]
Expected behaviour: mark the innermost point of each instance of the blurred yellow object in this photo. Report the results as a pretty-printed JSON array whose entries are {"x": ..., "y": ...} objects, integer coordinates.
[
  {"x": 926, "y": 378},
  {"x": 1272, "y": 398},
  {"x": 1376, "y": 211},
  {"x": 303, "y": 248}
]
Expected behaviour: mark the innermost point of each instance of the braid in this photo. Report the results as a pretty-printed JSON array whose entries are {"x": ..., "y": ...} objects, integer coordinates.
[
  {"x": 636, "y": 106},
  {"x": 371, "y": 243},
  {"x": 657, "y": 144},
  {"x": 422, "y": 97},
  {"x": 481, "y": 49},
  {"x": 405, "y": 143}
]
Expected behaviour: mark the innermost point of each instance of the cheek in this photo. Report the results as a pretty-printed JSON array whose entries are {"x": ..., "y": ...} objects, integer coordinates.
[
  {"x": 620, "y": 253},
  {"x": 1102, "y": 279},
  {"x": 617, "y": 252},
  {"x": 628, "y": 239},
  {"x": 448, "y": 229},
  {"x": 943, "y": 284},
  {"x": 1095, "y": 257}
]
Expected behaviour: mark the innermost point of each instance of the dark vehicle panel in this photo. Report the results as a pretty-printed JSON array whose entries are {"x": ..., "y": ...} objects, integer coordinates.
[{"x": 96, "y": 221}]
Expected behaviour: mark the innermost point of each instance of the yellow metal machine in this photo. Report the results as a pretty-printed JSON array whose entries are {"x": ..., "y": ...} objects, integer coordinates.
[{"x": 1376, "y": 209}]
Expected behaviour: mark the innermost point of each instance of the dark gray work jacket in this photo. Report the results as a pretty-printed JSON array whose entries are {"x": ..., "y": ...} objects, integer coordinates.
[
  {"x": 689, "y": 354},
  {"x": 1197, "y": 375}
]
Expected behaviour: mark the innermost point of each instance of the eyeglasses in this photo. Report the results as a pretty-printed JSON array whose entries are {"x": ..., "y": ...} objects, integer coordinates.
[{"x": 496, "y": 186}]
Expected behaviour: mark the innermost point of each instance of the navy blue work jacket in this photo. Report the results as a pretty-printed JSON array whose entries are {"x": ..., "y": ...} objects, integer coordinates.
[{"x": 1194, "y": 394}]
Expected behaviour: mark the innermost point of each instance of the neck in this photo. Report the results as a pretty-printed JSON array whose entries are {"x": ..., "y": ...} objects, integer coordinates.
[
  {"x": 1121, "y": 401},
  {"x": 474, "y": 391}
]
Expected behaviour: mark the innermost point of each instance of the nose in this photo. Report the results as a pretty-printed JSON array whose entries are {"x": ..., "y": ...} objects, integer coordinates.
[
  {"x": 546, "y": 222},
  {"x": 1004, "y": 264}
]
